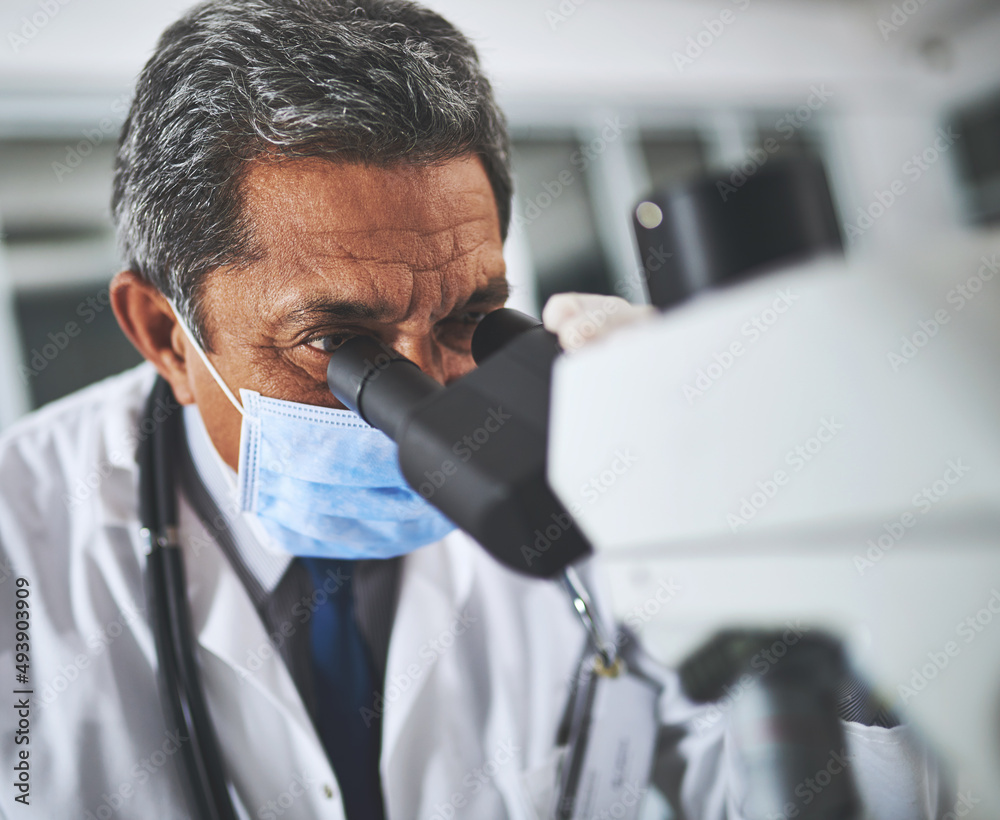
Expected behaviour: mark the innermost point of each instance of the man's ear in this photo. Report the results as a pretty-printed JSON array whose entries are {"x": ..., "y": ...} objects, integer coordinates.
[{"x": 148, "y": 320}]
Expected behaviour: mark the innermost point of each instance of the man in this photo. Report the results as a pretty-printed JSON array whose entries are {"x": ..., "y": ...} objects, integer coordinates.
[{"x": 292, "y": 173}]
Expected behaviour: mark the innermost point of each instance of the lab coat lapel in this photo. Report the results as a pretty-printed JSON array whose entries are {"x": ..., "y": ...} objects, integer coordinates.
[
  {"x": 228, "y": 626},
  {"x": 434, "y": 590},
  {"x": 435, "y": 587},
  {"x": 242, "y": 655}
]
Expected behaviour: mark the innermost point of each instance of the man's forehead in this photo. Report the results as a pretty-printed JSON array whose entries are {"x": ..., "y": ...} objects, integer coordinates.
[
  {"x": 388, "y": 252},
  {"x": 397, "y": 238},
  {"x": 314, "y": 197}
]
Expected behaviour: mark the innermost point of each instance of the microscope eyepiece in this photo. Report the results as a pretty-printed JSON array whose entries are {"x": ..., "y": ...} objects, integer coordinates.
[
  {"x": 478, "y": 443},
  {"x": 496, "y": 329},
  {"x": 379, "y": 384}
]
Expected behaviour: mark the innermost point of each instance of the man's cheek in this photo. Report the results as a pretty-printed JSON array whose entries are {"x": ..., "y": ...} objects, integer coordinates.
[
  {"x": 223, "y": 424},
  {"x": 456, "y": 365},
  {"x": 292, "y": 375}
]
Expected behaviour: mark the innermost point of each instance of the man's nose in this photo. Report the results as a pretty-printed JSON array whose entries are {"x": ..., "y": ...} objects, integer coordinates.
[{"x": 425, "y": 353}]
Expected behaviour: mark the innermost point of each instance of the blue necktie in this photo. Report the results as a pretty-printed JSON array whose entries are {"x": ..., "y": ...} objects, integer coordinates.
[{"x": 344, "y": 685}]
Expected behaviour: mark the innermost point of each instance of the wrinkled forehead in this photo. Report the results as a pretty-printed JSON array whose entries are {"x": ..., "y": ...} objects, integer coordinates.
[
  {"x": 407, "y": 239},
  {"x": 403, "y": 211}
]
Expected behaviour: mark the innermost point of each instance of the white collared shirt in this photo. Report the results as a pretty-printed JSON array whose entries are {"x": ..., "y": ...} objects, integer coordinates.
[{"x": 265, "y": 565}]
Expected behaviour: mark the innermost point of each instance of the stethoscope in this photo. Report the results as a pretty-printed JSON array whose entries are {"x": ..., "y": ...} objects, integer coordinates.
[{"x": 181, "y": 694}]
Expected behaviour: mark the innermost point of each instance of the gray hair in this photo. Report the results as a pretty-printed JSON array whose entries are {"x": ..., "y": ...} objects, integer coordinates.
[{"x": 381, "y": 82}]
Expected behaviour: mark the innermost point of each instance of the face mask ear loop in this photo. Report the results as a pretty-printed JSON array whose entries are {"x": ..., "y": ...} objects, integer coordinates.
[{"x": 204, "y": 358}]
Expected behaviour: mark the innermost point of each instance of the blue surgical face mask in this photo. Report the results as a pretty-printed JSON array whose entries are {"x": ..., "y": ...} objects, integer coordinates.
[{"x": 324, "y": 483}]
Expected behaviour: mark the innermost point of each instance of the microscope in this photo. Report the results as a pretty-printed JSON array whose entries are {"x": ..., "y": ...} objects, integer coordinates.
[{"x": 788, "y": 469}]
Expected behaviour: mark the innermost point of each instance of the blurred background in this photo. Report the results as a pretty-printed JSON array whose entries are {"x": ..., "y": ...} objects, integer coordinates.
[{"x": 607, "y": 101}]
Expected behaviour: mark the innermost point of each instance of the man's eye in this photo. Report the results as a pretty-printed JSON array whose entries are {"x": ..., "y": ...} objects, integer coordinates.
[
  {"x": 470, "y": 318},
  {"x": 456, "y": 331},
  {"x": 329, "y": 342}
]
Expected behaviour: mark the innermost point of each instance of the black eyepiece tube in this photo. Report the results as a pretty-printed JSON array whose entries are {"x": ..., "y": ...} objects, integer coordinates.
[
  {"x": 497, "y": 328},
  {"x": 377, "y": 383},
  {"x": 498, "y": 493}
]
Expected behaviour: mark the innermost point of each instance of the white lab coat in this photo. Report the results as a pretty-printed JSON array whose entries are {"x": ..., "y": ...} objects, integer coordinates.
[{"x": 478, "y": 668}]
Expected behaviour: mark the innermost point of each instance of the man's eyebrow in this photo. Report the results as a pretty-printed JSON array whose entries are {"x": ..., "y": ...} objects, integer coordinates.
[
  {"x": 325, "y": 311},
  {"x": 494, "y": 291},
  {"x": 321, "y": 310}
]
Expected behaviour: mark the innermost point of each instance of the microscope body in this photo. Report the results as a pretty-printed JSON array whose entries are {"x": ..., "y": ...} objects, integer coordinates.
[
  {"x": 817, "y": 449},
  {"x": 805, "y": 448}
]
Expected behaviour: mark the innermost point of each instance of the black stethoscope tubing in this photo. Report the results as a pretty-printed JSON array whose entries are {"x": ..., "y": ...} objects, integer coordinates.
[{"x": 181, "y": 694}]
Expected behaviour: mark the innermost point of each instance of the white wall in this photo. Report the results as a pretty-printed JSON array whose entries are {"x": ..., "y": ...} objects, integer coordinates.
[
  {"x": 563, "y": 61},
  {"x": 66, "y": 64}
]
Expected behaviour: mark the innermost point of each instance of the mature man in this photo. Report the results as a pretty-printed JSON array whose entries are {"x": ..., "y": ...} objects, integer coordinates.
[{"x": 292, "y": 173}]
